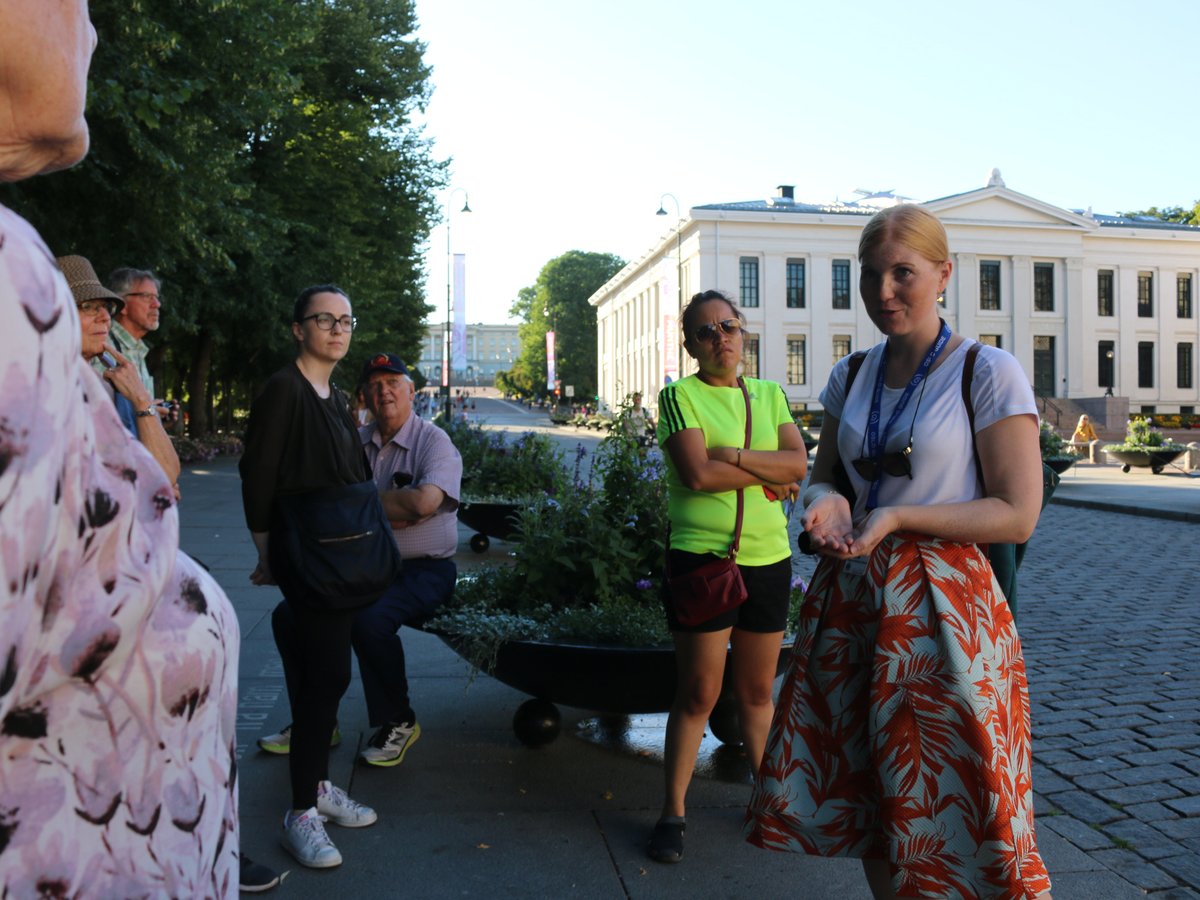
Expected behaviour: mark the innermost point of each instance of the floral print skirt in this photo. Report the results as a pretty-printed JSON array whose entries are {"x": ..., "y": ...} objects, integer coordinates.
[{"x": 902, "y": 729}]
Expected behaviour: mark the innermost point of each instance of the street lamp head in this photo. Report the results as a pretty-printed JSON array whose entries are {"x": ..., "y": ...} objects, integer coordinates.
[
  {"x": 661, "y": 211},
  {"x": 466, "y": 204}
]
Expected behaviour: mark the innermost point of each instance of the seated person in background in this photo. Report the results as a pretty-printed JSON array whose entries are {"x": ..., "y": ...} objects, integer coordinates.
[
  {"x": 1084, "y": 432},
  {"x": 97, "y": 305}
]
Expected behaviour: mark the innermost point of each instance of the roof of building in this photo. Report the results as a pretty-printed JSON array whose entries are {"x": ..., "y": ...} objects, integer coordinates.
[{"x": 1105, "y": 221}]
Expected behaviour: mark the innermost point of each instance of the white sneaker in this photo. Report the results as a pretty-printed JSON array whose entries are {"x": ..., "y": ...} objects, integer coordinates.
[
  {"x": 304, "y": 837},
  {"x": 335, "y": 805}
]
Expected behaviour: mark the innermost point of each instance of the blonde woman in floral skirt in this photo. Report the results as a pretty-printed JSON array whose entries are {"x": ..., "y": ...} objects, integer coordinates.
[{"x": 901, "y": 735}]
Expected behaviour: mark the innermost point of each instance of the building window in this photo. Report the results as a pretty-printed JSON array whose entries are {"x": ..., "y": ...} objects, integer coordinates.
[
  {"x": 1145, "y": 295},
  {"x": 1106, "y": 350},
  {"x": 749, "y": 281},
  {"x": 841, "y": 346},
  {"x": 795, "y": 284},
  {"x": 841, "y": 284},
  {"x": 1183, "y": 365},
  {"x": 1043, "y": 287},
  {"x": 989, "y": 285},
  {"x": 991, "y": 340},
  {"x": 750, "y": 356},
  {"x": 1145, "y": 364},
  {"x": 1104, "y": 292},
  {"x": 1183, "y": 295},
  {"x": 795, "y": 359}
]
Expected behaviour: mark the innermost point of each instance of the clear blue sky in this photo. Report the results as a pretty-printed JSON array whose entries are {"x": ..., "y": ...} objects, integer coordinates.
[{"x": 567, "y": 119}]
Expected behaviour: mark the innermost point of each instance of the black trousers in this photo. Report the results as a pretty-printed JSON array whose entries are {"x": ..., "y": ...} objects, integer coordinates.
[{"x": 315, "y": 649}]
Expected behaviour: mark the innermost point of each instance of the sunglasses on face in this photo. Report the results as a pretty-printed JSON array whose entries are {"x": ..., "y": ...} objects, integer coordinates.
[
  {"x": 897, "y": 464},
  {"x": 710, "y": 330}
]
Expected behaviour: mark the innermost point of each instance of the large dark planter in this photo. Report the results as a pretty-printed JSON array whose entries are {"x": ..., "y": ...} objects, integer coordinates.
[
  {"x": 1060, "y": 464},
  {"x": 606, "y": 679},
  {"x": 1154, "y": 460},
  {"x": 497, "y": 520}
]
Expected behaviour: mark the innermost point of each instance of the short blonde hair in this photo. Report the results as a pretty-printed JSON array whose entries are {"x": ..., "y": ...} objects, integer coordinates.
[{"x": 913, "y": 226}]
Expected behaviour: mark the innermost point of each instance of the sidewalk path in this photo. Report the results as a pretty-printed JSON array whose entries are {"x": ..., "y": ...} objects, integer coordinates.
[{"x": 1109, "y": 623}]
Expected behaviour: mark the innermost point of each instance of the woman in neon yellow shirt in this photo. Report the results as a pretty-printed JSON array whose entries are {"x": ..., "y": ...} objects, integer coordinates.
[{"x": 702, "y": 429}]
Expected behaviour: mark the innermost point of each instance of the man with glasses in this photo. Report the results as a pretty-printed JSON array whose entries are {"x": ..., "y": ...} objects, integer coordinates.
[
  {"x": 97, "y": 308},
  {"x": 139, "y": 289}
]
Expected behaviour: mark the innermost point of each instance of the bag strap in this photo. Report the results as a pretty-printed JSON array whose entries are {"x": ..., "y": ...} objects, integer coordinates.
[
  {"x": 737, "y": 528},
  {"x": 967, "y": 373}
]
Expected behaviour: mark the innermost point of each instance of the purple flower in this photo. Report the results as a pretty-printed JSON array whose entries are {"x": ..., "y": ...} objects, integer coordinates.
[
  {"x": 799, "y": 585},
  {"x": 643, "y": 584}
]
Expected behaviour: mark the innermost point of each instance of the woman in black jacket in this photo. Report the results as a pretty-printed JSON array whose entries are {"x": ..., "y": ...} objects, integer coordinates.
[{"x": 300, "y": 438}]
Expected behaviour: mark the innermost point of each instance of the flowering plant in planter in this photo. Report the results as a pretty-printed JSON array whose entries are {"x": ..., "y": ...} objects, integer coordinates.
[
  {"x": 586, "y": 563},
  {"x": 1141, "y": 435},
  {"x": 497, "y": 468}
]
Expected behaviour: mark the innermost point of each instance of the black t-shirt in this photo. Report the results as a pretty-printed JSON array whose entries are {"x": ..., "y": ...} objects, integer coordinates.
[{"x": 296, "y": 441}]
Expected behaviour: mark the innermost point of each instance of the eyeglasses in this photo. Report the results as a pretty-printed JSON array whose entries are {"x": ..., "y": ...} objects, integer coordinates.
[
  {"x": 896, "y": 464},
  {"x": 95, "y": 307},
  {"x": 325, "y": 321},
  {"x": 710, "y": 330},
  {"x": 149, "y": 294}
]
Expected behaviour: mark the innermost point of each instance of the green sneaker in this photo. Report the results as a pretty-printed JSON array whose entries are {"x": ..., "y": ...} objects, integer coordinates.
[{"x": 281, "y": 743}]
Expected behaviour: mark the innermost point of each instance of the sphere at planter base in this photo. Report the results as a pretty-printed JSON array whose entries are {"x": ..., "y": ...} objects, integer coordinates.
[
  {"x": 480, "y": 543},
  {"x": 536, "y": 722},
  {"x": 723, "y": 720}
]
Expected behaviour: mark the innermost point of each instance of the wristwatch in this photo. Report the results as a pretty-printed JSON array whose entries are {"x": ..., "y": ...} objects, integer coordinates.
[{"x": 148, "y": 411}]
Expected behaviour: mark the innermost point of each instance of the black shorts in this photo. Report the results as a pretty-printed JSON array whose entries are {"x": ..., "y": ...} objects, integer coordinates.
[{"x": 766, "y": 608}]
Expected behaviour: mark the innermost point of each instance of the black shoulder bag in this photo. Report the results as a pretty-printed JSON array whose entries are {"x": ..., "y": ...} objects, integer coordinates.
[{"x": 332, "y": 548}]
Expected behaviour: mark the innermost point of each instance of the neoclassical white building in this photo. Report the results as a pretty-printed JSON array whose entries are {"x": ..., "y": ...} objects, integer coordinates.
[
  {"x": 489, "y": 349},
  {"x": 1086, "y": 302}
]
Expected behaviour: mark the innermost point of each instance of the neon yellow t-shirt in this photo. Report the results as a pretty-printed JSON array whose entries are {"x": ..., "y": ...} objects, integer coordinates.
[{"x": 701, "y": 521}]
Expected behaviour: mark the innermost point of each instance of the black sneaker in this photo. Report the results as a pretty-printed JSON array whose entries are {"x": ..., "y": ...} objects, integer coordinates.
[
  {"x": 255, "y": 878},
  {"x": 666, "y": 841}
]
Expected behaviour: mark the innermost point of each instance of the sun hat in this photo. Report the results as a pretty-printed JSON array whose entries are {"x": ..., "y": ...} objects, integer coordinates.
[{"x": 84, "y": 284}]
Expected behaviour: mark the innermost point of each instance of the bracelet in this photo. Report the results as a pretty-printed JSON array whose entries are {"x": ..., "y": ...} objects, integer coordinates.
[
  {"x": 738, "y": 461},
  {"x": 148, "y": 411}
]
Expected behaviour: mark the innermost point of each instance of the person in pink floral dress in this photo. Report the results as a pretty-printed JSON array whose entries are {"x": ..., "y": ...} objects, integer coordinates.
[
  {"x": 901, "y": 735},
  {"x": 118, "y": 654}
]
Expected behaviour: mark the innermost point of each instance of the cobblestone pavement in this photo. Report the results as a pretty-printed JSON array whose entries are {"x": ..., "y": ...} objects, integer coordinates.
[{"x": 1110, "y": 620}]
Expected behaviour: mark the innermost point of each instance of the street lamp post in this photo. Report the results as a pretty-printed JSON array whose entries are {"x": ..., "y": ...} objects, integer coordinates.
[
  {"x": 678, "y": 261},
  {"x": 447, "y": 345},
  {"x": 678, "y": 240}
]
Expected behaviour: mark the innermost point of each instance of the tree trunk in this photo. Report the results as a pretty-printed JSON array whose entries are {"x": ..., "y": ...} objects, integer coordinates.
[{"x": 198, "y": 419}]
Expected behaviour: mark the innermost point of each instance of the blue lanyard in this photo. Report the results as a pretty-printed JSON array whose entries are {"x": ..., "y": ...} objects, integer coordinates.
[{"x": 876, "y": 443}]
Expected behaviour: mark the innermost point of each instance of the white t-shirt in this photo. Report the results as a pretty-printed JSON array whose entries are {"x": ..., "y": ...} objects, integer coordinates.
[{"x": 943, "y": 460}]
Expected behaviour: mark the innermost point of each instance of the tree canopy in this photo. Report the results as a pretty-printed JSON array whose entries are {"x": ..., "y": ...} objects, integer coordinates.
[
  {"x": 243, "y": 149},
  {"x": 1177, "y": 214},
  {"x": 559, "y": 302}
]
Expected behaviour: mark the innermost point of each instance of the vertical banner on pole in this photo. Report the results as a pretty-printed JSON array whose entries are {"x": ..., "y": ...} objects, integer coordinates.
[
  {"x": 459, "y": 344},
  {"x": 670, "y": 348},
  {"x": 445, "y": 357},
  {"x": 550, "y": 360}
]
